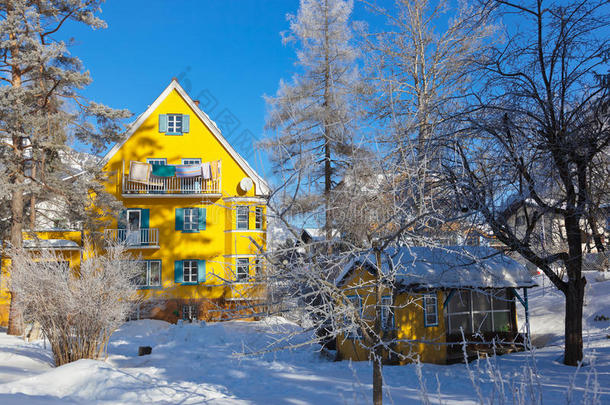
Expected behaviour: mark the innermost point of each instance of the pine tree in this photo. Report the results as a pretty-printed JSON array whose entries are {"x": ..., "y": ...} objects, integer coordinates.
[
  {"x": 314, "y": 114},
  {"x": 41, "y": 111}
]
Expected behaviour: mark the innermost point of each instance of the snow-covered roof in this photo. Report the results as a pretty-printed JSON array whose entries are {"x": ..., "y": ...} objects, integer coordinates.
[
  {"x": 446, "y": 267},
  {"x": 319, "y": 234},
  {"x": 55, "y": 244}
]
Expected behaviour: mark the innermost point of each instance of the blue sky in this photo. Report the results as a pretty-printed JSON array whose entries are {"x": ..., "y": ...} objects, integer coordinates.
[{"x": 227, "y": 53}]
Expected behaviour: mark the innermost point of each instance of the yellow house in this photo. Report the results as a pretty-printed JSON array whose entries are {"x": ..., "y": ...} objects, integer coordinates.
[
  {"x": 195, "y": 212},
  {"x": 194, "y": 215},
  {"x": 429, "y": 296}
]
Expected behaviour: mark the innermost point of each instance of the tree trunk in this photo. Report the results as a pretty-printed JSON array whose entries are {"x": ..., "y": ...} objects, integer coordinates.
[
  {"x": 574, "y": 292},
  {"x": 327, "y": 136},
  {"x": 377, "y": 380},
  {"x": 573, "y": 322},
  {"x": 15, "y": 321}
]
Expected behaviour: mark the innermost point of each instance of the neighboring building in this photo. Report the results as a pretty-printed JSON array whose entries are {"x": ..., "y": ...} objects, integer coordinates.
[
  {"x": 67, "y": 245},
  {"x": 548, "y": 235},
  {"x": 194, "y": 213},
  {"x": 435, "y": 294}
]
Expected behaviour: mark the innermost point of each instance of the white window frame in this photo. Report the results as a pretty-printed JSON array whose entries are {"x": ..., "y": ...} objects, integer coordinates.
[
  {"x": 472, "y": 312},
  {"x": 148, "y": 273},
  {"x": 174, "y": 124},
  {"x": 193, "y": 219},
  {"x": 190, "y": 310},
  {"x": 157, "y": 161},
  {"x": 387, "y": 311},
  {"x": 240, "y": 263},
  {"x": 192, "y": 271},
  {"x": 191, "y": 161},
  {"x": 241, "y": 223},
  {"x": 258, "y": 218},
  {"x": 430, "y": 305}
]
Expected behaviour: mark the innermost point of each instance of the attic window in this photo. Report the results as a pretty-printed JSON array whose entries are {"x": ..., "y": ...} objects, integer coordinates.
[{"x": 173, "y": 124}]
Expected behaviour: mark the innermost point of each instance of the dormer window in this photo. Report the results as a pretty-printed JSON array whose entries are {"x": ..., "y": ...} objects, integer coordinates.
[{"x": 173, "y": 124}]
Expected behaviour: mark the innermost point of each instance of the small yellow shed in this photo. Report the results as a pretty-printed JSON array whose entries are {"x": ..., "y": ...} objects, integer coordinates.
[{"x": 432, "y": 300}]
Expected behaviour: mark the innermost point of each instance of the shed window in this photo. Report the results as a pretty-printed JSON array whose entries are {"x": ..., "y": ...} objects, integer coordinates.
[
  {"x": 479, "y": 311},
  {"x": 387, "y": 313},
  {"x": 430, "y": 310}
]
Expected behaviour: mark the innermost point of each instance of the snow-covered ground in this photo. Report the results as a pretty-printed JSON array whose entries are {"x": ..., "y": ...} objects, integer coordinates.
[{"x": 192, "y": 364}]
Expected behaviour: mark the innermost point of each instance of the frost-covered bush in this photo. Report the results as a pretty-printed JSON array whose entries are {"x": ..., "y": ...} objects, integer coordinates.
[{"x": 77, "y": 309}]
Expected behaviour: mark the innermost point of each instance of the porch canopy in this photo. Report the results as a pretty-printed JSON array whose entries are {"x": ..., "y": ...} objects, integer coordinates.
[
  {"x": 50, "y": 244},
  {"x": 444, "y": 267}
]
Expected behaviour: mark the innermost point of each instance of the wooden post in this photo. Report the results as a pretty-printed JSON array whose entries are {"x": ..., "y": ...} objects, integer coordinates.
[
  {"x": 527, "y": 319},
  {"x": 378, "y": 352}
]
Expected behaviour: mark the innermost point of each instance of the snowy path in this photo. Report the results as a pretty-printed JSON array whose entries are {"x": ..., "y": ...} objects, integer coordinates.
[{"x": 199, "y": 365}]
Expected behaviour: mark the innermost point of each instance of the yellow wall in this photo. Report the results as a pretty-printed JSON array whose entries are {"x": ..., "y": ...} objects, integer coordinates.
[
  {"x": 409, "y": 323},
  {"x": 71, "y": 256},
  {"x": 218, "y": 243}
]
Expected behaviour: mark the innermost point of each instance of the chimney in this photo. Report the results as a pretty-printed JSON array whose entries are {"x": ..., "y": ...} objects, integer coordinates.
[
  {"x": 174, "y": 79},
  {"x": 196, "y": 102}
]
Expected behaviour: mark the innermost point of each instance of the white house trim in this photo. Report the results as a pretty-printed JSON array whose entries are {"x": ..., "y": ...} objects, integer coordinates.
[
  {"x": 262, "y": 188},
  {"x": 254, "y": 200}
]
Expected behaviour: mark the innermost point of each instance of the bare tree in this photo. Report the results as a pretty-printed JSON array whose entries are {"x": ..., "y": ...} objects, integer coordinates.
[
  {"x": 315, "y": 113},
  {"x": 421, "y": 67},
  {"x": 536, "y": 134},
  {"x": 77, "y": 309}
]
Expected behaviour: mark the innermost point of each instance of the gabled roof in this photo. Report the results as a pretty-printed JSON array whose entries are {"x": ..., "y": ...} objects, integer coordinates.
[
  {"x": 445, "y": 267},
  {"x": 261, "y": 185}
]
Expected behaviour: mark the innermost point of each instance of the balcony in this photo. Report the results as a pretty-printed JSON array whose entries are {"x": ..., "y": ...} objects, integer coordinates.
[
  {"x": 171, "y": 187},
  {"x": 145, "y": 238},
  {"x": 146, "y": 183}
]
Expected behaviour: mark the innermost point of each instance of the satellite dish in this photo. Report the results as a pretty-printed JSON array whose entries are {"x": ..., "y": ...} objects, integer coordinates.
[{"x": 246, "y": 184}]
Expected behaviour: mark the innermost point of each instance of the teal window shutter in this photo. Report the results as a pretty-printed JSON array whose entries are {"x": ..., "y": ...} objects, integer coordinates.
[
  {"x": 144, "y": 218},
  {"x": 178, "y": 279},
  {"x": 122, "y": 221},
  {"x": 163, "y": 123},
  {"x": 179, "y": 218},
  {"x": 185, "y": 124},
  {"x": 201, "y": 271},
  {"x": 202, "y": 219}
]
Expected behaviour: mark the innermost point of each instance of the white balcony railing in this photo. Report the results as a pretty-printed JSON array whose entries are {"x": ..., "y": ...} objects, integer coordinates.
[
  {"x": 145, "y": 237},
  {"x": 172, "y": 185}
]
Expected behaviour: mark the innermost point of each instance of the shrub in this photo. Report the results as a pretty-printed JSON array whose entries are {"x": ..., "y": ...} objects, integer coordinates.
[{"x": 77, "y": 309}]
